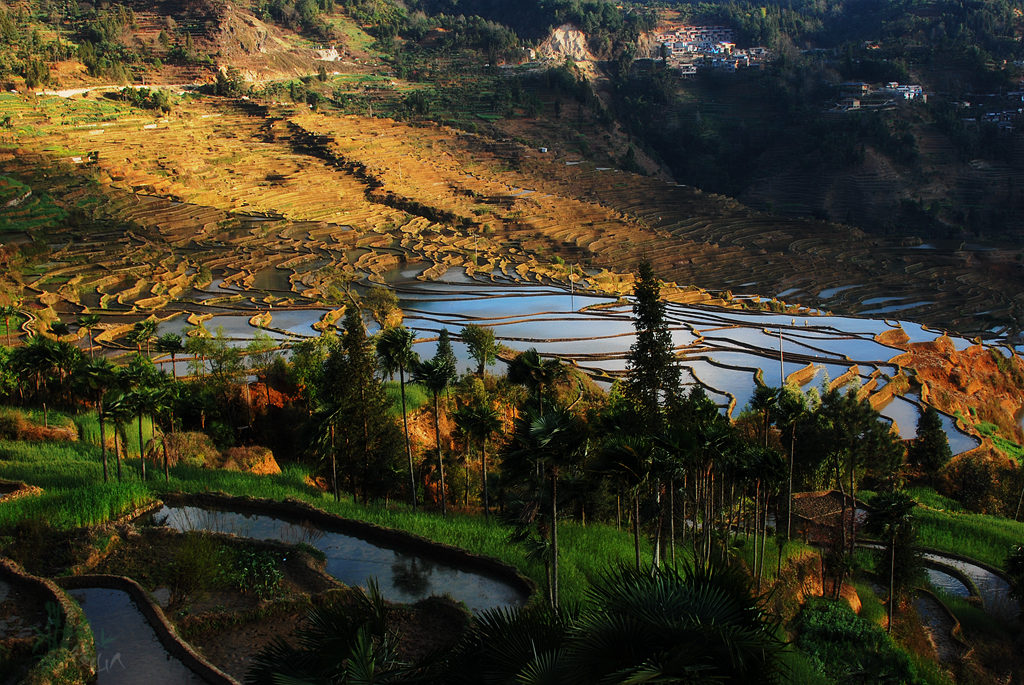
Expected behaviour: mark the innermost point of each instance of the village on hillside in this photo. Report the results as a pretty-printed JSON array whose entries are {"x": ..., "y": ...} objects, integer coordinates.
[{"x": 689, "y": 48}]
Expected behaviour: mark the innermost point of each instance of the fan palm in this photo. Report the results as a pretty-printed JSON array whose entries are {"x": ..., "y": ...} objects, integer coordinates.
[
  {"x": 142, "y": 332},
  {"x": 529, "y": 369},
  {"x": 394, "y": 350},
  {"x": 59, "y": 329},
  {"x": 170, "y": 343},
  {"x": 96, "y": 378},
  {"x": 120, "y": 411},
  {"x": 545, "y": 445},
  {"x": 38, "y": 359},
  {"x": 628, "y": 460},
  {"x": 436, "y": 374},
  {"x": 480, "y": 421},
  {"x": 338, "y": 643},
  {"x": 892, "y": 519},
  {"x": 89, "y": 322},
  {"x": 698, "y": 625}
]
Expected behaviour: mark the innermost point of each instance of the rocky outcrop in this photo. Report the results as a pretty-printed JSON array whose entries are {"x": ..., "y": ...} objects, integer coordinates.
[{"x": 566, "y": 42}]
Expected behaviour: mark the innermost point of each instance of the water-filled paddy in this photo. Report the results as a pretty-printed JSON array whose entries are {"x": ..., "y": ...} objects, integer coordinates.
[
  {"x": 557, "y": 322},
  {"x": 402, "y": 576},
  {"x": 127, "y": 649}
]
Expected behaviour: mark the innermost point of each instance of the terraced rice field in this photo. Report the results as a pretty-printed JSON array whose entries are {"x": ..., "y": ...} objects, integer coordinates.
[{"x": 243, "y": 215}]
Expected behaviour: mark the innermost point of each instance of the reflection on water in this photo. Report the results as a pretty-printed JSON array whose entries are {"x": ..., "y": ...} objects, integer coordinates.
[
  {"x": 127, "y": 649},
  {"x": 411, "y": 575},
  {"x": 402, "y": 577},
  {"x": 553, "y": 320},
  {"x": 995, "y": 592},
  {"x": 947, "y": 583}
]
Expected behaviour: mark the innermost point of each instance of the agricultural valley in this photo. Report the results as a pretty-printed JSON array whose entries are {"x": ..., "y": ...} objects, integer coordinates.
[{"x": 444, "y": 342}]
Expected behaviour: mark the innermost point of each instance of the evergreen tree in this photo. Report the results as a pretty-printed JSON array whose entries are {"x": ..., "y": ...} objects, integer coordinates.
[
  {"x": 445, "y": 353},
  {"x": 482, "y": 346},
  {"x": 930, "y": 449},
  {"x": 652, "y": 372},
  {"x": 368, "y": 439}
]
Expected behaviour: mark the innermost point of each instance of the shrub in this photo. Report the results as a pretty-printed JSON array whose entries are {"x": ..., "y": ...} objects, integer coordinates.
[
  {"x": 250, "y": 570},
  {"x": 250, "y": 458},
  {"x": 974, "y": 480},
  {"x": 16, "y": 425},
  {"x": 845, "y": 646},
  {"x": 191, "y": 449},
  {"x": 196, "y": 564}
]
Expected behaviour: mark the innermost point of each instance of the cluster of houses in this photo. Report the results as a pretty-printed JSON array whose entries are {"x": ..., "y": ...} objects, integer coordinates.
[
  {"x": 688, "y": 48},
  {"x": 855, "y": 95},
  {"x": 1004, "y": 110}
]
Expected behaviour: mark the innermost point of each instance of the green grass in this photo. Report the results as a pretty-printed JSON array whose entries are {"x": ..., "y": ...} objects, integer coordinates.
[
  {"x": 54, "y": 419},
  {"x": 416, "y": 396},
  {"x": 74, "y": 495},
  {"x": 1005, "y": 445},
  {"x": 89, "y": 431},
  {"x": 871, "y": 608},
  {"x": 979, "y": 536},
  {"x": 942, "y": 525},
  {"x": 70, "y": 474},
  {"x": 928, "y": 497}
]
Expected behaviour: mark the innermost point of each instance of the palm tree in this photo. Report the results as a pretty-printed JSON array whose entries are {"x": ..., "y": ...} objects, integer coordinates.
[
  {"x": 479, "y": 421},
  {"x": 89, "y": 322},
  {"x": 119, "y": 409},
  {"x": 791, "y": 411},
  {"x": 699, "y": 624},
  {"x": 340, "y": 641},
  {"x": 96, "y": 378},
  {"x": 140, "y": 377},
  {"x": 170, "y": 343},
  {"x": 9, "y": 311},
  {"x": 892, "y": 519},
  {"x": 529, "y": 369},
  {"x": 628, "y": 460},
  {"x": 545, "y": 445},
  {"x": 59, "y": 329},
  {"x": 436, "y": 374},
  {"x": 38, "y": 359},
  {"x": 161, "y": 406},
  {"x": 394, "y": 350},
  {"x": 142, "y": 332},
  {"x": 764, "y": 402}
]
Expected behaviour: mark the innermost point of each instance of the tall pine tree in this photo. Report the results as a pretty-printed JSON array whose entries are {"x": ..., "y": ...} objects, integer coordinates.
[
  {"x": 930, "y": 449},
  {"x": 652, "y": 372},
  {"x": 367, "y": 438}
]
